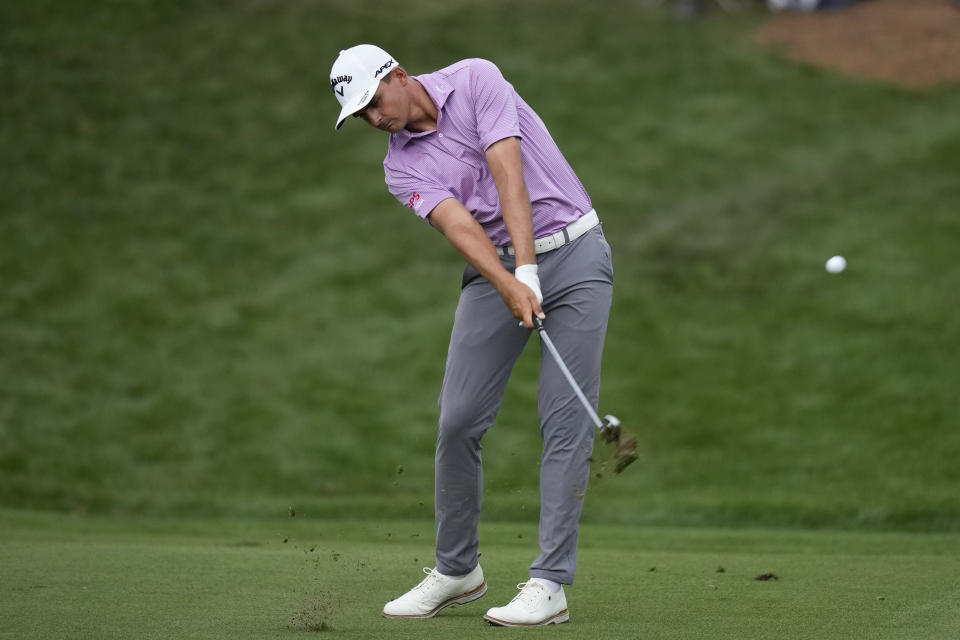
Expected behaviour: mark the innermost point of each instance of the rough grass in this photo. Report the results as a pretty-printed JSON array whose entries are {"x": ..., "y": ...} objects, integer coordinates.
[{"x": 212, "y": 306}]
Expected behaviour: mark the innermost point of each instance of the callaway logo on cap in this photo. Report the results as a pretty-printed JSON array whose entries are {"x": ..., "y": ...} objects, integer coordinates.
[{"x": 356, "y": 75}]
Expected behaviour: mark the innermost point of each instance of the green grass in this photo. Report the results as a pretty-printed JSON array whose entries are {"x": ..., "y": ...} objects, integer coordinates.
[
  {"x": 213, "y": 311},
  {"x": 213, "y": 307},
  {"x": 100, "y": 577}
]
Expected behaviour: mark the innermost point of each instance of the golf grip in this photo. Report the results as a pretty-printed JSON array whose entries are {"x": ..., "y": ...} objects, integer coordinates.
[{"x": 545, "y": 339}]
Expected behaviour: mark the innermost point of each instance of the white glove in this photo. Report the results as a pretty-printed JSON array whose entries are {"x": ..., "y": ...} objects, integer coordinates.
[{"x": 527, "y": 274}]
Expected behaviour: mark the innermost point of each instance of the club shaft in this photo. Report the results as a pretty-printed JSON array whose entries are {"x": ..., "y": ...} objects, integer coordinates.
[{"x": 569, "y": 376}]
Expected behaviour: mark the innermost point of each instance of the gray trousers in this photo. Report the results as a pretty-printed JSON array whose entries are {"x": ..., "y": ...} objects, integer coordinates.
[{"x": 577, "y": 284}]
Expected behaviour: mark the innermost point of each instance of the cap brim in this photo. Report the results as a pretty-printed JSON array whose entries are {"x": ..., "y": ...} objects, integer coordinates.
[{"x": 362, "y": 99}]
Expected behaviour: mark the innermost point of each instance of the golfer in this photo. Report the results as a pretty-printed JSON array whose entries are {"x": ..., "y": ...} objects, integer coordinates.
[{"x": 470, "y": 157}]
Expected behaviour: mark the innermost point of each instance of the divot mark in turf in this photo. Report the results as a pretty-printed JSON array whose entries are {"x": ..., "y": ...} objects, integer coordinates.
[
  {"x": 315, "y": 614},
  {"x": 767, "y": 576}
]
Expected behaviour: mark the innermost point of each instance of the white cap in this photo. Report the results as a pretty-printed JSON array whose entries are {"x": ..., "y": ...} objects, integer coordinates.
[{"x": 356, "y": 75}]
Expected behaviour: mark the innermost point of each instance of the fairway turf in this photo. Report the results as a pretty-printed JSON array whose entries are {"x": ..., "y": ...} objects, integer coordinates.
[{"x": 99, "y": 577}]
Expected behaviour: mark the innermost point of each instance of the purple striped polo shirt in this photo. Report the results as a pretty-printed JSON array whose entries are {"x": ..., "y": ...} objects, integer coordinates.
[{"x": 476, "y": 107}]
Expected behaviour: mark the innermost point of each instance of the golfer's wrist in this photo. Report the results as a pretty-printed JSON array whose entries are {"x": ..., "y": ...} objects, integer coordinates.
[
  {"x": 526, "y": 271},
  {"x": 527, "y": 274}
]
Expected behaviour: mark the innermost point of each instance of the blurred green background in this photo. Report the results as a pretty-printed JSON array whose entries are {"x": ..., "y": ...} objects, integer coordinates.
[{"x": 212, "y": 306}]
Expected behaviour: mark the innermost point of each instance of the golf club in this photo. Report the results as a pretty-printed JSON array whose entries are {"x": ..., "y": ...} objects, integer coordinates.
[{"x": 609, "y": 426}]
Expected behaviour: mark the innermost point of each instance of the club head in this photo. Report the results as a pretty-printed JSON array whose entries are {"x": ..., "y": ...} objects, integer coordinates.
[
  {"x": 610, "y": 428},
  {"x": 626, "y": 451}
]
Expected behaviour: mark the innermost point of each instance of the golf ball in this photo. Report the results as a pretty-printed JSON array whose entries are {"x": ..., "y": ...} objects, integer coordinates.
[{"x": 836, "y": 264}]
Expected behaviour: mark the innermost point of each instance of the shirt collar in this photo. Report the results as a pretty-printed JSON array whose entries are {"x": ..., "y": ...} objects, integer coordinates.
[{"x": 439, "y": 90}]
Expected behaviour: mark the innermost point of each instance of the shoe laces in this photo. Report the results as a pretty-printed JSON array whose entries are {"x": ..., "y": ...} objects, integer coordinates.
[
  {"x": 530, "y": 592},
  {"x": 432, "y": 576}
]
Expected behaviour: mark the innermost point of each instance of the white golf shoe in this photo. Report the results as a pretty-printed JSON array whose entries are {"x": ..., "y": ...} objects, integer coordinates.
[
  {"x": 435, "y": 592},
  {"x": 534, "y": 606}
]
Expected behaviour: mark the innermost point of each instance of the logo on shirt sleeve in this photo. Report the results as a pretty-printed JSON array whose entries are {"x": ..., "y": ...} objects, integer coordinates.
[{"x": 415, "y": 202}]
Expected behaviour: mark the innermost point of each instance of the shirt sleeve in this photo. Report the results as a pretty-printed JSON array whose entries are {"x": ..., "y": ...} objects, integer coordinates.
[
  {"x": 418, "y": 194},
  {"x": 494, "y": 103}
]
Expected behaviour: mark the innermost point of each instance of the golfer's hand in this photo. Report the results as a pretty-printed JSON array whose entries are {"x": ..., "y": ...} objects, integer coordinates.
[
  {"x": 522, "y": 302},
  {"x": 527, "y": 274}
]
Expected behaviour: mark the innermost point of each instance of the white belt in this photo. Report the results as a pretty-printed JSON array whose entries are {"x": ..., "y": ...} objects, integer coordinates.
[{"x": 556, "y": 240}]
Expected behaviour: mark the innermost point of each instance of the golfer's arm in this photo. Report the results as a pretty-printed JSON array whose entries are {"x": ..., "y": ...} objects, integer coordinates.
[
  {"x": 453, "y": 220},
  {"x": 506, "y": 166}
]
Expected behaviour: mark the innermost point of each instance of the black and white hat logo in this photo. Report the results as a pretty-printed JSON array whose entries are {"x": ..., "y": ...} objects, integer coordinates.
[
  {"x": 386, "y": 65},
  {"x": 338, "y": 80}
]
